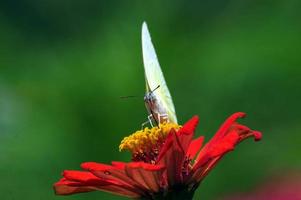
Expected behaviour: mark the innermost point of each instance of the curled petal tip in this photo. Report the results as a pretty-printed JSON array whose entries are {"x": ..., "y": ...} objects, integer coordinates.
[
  {"x": 257, "y": 135},
  {"x": 240, "y": 114}
]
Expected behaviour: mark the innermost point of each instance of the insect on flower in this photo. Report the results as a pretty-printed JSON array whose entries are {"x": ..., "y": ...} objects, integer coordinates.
[
  {"x": 167, "y": 163},
  {"x": 157, "y": 99}
]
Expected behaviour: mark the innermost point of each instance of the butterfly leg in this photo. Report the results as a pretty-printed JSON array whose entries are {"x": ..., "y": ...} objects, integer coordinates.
[
  {"x": 143, "y": 124},
  {"x": 150, "y": 117},
  {"x": 163, "y": 118}
]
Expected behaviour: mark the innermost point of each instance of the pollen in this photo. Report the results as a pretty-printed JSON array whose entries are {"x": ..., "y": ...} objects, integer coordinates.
[{"x": 147, "y": 140}]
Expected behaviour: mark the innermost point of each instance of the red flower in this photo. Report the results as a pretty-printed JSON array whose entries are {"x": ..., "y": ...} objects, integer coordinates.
[{"x": 167, "y": 162}]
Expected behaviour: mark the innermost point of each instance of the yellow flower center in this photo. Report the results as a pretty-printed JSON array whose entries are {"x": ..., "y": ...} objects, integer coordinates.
[{"x": 147, "y": 141}]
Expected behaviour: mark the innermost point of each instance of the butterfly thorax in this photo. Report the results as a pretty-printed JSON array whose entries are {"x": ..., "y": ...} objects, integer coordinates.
[{"x": 155, "y": 108}]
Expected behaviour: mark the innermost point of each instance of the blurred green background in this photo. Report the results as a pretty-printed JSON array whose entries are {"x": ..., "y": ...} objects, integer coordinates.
[{"x": 64, "y": 64}]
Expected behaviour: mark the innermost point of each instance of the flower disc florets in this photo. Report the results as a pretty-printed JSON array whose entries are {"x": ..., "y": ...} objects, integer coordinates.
[{"x": 145, "y": 144}]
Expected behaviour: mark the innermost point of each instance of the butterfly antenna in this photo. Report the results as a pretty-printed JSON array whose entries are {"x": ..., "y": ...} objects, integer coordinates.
[
  {"x": 125, "y": 97},
  {"x": 155, "y": 89}
]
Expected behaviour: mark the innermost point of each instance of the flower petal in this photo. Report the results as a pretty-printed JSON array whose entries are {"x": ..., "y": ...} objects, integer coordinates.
[
  {"x": 66, "y": 187},
  {"x": 225, "y": 140},
  {"x": 219, "y": 134},
  {"x": 172, "y": 156},
  {"x": 257, "y": 135},
  {"x": 116, "y": 173},
  {"x": 145, "y": 174},
  {"x": 226, "y": 125},
  {"x": 173, "y": 152},
  {"x": 78, "y": 181},
  {"x": 136, "y": 176},
  {"x": 194, "y": 147},
  {"x": 96, "y": 166},
  {"x": 185, "y": 134},
  {"x": 83, "y": 177},
  {"x": 225, "y": 144}
]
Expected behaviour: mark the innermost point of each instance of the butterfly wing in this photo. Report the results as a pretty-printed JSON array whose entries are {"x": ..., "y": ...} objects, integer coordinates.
[{"x": 154, "y": 75}]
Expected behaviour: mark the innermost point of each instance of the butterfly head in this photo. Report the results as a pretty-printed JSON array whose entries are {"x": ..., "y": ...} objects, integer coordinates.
[{"x": 150, "y": 96}]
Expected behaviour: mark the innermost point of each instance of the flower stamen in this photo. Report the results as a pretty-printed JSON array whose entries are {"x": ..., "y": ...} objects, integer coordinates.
[{"x": 145, "y": 144}]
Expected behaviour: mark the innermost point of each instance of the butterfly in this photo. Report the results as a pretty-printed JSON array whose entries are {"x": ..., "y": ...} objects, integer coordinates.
[{"x": 157, "y": 98}]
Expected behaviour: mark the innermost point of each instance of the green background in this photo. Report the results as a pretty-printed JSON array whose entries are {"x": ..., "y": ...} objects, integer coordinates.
[{"x": 64, "y": 64}]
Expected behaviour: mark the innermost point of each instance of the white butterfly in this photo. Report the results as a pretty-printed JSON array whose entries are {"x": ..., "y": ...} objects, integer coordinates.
[{"x": 157, "y": 98}]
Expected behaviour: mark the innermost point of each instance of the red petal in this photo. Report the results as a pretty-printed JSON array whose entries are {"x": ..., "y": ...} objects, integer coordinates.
[
  {"x": 219, "y": 134},
  {"x": 173, "y": 158},
  {"x": 225, "y": 144},
  {"x": 257, "y": 135},
  {"x": 145, "y": 166},
  {"x": 87, "y": 178},
  {"x": 228, "y": 136},
  {"x": 62, "y": 187},
  {"x": 108, "y": 172},
  {"x": 77, "y": 181},
  {"x": 118, "y": 165},
  {"x": 66, "y": 187},
  {"x": 145, "y": 174},
  {"x": 226, "y": 125},
  {"x": 116, "y": 173},
  {"x": 185, "y": 134},
  {"x": 96, "y": 166},
  {"x": 245, "y": 132},
  {"x": 167, "y": 145},
  {"x": 80, "y": 176},
  {"x": 189, "y": 127},
  {"x": 194, "y": 147}
]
